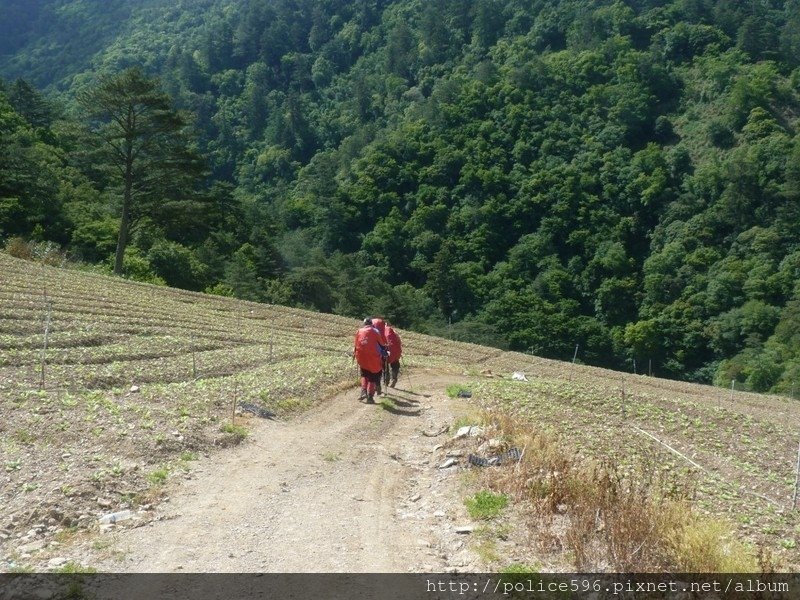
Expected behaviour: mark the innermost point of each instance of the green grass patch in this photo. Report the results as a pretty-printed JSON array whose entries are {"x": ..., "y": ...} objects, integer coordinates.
[
  {"x": 518, "y": 569},
  {"x": 237, "y": 430},
  {"x": 73, "y": 567},
  {"x": 159, "y": 476},
  {"x": 486, "y": 505},
  {"x": 456, "y": 390}
]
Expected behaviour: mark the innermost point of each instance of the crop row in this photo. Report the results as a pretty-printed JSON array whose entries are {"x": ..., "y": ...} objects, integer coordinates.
[{"x": 747, "y": 463}]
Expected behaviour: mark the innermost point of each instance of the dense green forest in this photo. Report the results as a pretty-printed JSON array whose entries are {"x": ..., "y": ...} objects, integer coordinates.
[{"x": 621, "y": 177}]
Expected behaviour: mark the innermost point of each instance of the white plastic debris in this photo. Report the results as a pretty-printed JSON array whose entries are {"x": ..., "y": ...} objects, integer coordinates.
[
  {"x": 116, "y": 517},
  {"x": 519, "y": 376},
  {"x": 468, "y": 430}
]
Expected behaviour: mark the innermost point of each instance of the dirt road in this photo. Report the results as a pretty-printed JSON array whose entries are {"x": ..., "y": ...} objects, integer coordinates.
[{"x": 346, "y": 487}]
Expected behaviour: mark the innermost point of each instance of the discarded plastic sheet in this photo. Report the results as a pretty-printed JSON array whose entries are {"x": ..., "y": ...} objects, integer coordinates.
[
  {"x": 257, "y": 410},
  {"x": 519, "y": 376},
  {"x": 464, "y": 394},
  {"x": 513, "y": 455}
]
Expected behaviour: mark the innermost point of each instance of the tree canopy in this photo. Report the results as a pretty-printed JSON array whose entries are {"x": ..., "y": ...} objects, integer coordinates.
[{"x": 620, "y": 176}]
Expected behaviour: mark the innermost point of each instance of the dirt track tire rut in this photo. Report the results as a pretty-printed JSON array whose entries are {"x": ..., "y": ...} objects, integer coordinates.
[{"x": 325, "y": 492}]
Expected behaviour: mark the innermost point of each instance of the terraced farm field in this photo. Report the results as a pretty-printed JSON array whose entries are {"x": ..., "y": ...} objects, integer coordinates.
[{"x": 138, "y": 381}]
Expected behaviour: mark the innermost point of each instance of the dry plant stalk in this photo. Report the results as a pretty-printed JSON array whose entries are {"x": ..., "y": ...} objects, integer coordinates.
[
  {"x": 235, "y": 392},
  {"x": 45, "y": 341},
  {"x": 639, "y": 520}
]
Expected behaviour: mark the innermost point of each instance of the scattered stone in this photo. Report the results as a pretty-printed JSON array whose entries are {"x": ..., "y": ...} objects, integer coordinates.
[
  {"x": 424, "y": 543},
  {"x": 440, "y": 514},
  {"x": 415, "y": 497},
  {"x": 561, "y": 509},
  {"x": 56, "y": 562},
  {"x": 104, "y": 503},
  {"x": 31, "y": 547},
  {"x": 468, "y": 431},
  {"x": 134, "y": 389},
  {"x": 463, "y": 432},
  {"x": 455, "y": 454},
  {"x": 448, "y": 463},
  {"x": 465, "y": 529}
]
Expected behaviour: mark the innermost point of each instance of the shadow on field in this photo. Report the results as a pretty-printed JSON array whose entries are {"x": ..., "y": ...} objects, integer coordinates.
[
  {"x": 390, "y": 406},
  {"x": 404, "y": 402},
  {"x": 412, "y": 393}
]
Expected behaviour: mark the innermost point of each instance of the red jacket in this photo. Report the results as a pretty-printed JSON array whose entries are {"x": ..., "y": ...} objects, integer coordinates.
[
  {"x": 368, "y": 349},
  {"x": 381, "y": 327},
  {"x": 395, "y": 346}
]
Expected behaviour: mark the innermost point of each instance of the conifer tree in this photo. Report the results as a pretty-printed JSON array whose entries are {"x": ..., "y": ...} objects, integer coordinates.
[{"x": 145, "y": 142}]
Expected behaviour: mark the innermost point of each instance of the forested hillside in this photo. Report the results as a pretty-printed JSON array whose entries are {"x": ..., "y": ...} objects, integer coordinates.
[{"x": 623, "y": 177}]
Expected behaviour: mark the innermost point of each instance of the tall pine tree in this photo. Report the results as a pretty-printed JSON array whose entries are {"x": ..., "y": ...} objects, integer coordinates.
[{"x": 146, "y": 143}]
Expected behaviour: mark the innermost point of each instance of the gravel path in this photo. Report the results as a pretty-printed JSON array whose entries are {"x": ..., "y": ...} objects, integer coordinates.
[{"x": 346, "y": 487}]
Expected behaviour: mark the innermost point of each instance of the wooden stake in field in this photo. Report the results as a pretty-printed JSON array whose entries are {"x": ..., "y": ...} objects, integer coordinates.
[
  {"x": 574, "y": 358},
  {"x": 194, "y": 361},
  {"x": 235, "y": 392},
  {"x": 44, "y": 344},
  {"x": 796, "y": 479},
  {"x": 733, "y": 385},
  {"x": 624, "y": 406}
]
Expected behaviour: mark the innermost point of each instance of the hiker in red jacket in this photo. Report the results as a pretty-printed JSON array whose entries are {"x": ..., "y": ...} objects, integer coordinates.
[
  {"x": 380, "y": 325},
  {"x": 369, "y": 352},
  {"x": 395, "y": 352}
]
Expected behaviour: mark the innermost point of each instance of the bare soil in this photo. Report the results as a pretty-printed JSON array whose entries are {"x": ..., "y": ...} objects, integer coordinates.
[{"x": 345, "y": 487}]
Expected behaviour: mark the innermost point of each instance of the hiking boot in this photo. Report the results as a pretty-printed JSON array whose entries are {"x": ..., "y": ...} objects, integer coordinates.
[
  {"x": 371, "y": 399},
  {"x": 378, "y": 389},
  {"x": 393, "y": 382},
  {"x": 363, "y": 395}
]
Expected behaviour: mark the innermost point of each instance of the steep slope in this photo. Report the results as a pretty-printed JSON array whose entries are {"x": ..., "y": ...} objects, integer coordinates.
[
  {"x": 47, "y": 42},
  {"x": 620, "y": 176},
  {"x": 140, "y": 383}
]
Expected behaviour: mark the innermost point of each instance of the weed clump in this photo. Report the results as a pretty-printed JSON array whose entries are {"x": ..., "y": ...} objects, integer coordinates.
[
  {"x": 636, "y": 518},
  {"x": 486, "y": 505}
]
